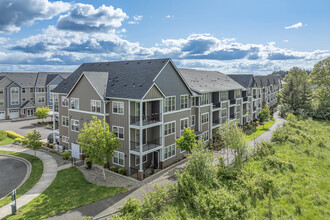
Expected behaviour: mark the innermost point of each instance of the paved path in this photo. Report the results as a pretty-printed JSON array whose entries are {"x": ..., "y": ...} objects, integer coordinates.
[
  {"x": 22, "y": 126},
  {"x": 12, "y": 173},
  {"x": 47, "y": 177}
]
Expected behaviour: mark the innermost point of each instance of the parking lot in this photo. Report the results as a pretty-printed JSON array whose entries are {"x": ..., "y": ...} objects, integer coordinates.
[{"x": 22, "y": 126}]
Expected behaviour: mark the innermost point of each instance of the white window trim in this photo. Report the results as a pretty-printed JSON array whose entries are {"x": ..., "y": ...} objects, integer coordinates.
[
  {"x": 3, "y": 102},
  {"x": 3, "y": 91},
  {"x": 64, "y": 120},
  {"x": 187, "y": 123},
  {"x": 11, "y": 98},
  {"x": 118, "y": 113},
  {"x": 68, "y": 101},
  {"x": 65, "y": 138},
  {"x": 171, "y": 102},
  {"x": 44, "y": 99},
  {"x": 208, "y": 118},
  {"x": 96, "y": 101},
  {"x": 173, "y": 154},
  {"x": 118, "y": 158},
  {"x": 193, "y": 120},
  {"x": 207, "y": 138},
  {"x": 138, "y": 157},
  {"x": 174, "y": 128},
  {"x": 187, "y": 101},
  {"x": 72, "y": 99},
  {"x": 114, "y": 126},
  {"x": 78, "y": 125}
]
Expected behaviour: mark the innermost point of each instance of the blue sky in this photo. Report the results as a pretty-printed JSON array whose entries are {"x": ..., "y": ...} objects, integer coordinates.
[{"x": 230, "y": 36}]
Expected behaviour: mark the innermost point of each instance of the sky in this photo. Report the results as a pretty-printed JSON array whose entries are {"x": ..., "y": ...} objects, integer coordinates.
[{"x": 234, "y": 37}]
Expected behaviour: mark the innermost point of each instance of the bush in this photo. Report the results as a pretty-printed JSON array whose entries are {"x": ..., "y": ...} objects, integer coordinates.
[
  {"x": 89, "y": 164},
  {"x": 122, "y": 171},
  {"x": 264, "y": 149},
  {"x": 3, "y": 135},
  {"x": 13, "y": 135},
  {"x": 66, "y": 155},
  {"x": 132, "y": 208},
  {"x": 20, "y": 140},
  {"x": 257, "y": 122},
  {"x": 249, "y": 127},
  {"x": 113, "y": 168}
]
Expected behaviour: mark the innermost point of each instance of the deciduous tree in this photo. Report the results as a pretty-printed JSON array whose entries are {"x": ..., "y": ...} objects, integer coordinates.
[
  {"x": 187, "y": 141},
  {"x": 32, "y": 140},
  {"x": 42, "y": 113}
]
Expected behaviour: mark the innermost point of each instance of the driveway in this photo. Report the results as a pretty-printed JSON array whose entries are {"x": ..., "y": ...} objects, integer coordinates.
[
  {"x": 22, "y": 126},
  {"x": 12, "y": 173}
]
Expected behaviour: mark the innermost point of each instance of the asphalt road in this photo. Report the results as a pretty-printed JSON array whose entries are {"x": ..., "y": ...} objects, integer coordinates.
[
  {"x": 12, "y": 173},
  {"x": 22, "y": 126}
]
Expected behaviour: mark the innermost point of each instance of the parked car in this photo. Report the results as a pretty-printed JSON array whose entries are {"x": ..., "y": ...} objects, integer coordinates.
[{"x": 50, "y": 138}]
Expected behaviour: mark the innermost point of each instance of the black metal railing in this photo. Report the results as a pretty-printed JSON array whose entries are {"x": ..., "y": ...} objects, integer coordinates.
[
  {"x": 148, "y": 145},
  {"x": 232, "y": 101},
  {"x": 232, "y": 116},
  {"x": 216, "y": 121},
  {"x": 146, "y": 119},
  {"x": 245, "y": 99},
  {"x": 254, "y": 108},
  {"x": 254, "y": 96},
  {"x": 216, "y": 105}
]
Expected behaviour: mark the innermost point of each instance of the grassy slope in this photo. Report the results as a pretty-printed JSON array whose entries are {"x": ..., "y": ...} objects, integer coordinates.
[
  {"x": 36, "y": 172},
  {"x": 6, "y": 141},
  {"x": 68, "y": 191},
  {"x": 261, "y": 129}
]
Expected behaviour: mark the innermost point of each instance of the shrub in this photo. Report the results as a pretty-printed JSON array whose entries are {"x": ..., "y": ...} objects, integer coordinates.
[
  {"x": 3, "y": 135},
  {"x": 113, "y": 168},
  {"x": 13, "y": 135},
  {"x": 66, "y": 155},
  {"x": 264, "y": 149},
  {"x": 122, "y": 171},
  {"x": 257, "y": 122},
  {"x": 20, "y": 140},
  {"x": 132, "y": 208},
  {"x": 249, "y": 127}
]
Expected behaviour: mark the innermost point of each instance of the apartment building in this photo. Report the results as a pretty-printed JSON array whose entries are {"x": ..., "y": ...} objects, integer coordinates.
[
  {"x": 147, "y": 104},
  {"x": 22, "y": 92},
  {"x": 270, "y": 86}
]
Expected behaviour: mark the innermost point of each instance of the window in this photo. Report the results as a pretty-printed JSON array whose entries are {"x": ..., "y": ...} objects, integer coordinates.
[
  {"x": 41, "y": 89},
  {"x": 183, "y": 123},
  {"x": 169, "y": 151},
  {"x": 23, "y": 90},
  {"x": 137, "y": 159},
  {"x": 223, "y": 112},
  {"x": 118, "y": 108},
  {"x": 31, "y": 90},
  {"x": 205, "y": 136},
  {"x": 41, "y": 99},
  {"x": 169, "y": 128},
  {"x": 224, "y": 96},
  {"x": 194, "y": 101},
  {"x": 238, "y": 93},
  {"x": 205, "y": 98},
  {"x": 23, "y": 99},
  {"x": 118, "y": 131},
  {"x": 96, "y": 106},
  {"x": 193, "y": 120},
  {"x": 14, "y": 96},
  {"x": 64, "y": 101},
  {"x": 31, "y": 99},
  {"x": 1, "y": 102},
  {"x": 65, "y": 121},
  {"x": 169, "y": 104},
  {"x": 65, "y": 139},
  {"x": 184, "y": 101},
  {"x": 205, "y": 118},
  {"x": 74, "y": 125},
  {"x": 75, "y": 103},
  {"x": 1, "y": 91},
  {"x": 118, "y": 158},
  {"x": 56, "y": 97}
]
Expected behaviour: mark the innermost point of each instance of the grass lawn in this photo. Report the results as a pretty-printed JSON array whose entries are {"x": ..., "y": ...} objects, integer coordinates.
[
  {"x": 6, "y": 141},
  {"x": 36, "y": 172},
  {"x": 259, "y": 130},
  {"x": 68, "y": 191}
]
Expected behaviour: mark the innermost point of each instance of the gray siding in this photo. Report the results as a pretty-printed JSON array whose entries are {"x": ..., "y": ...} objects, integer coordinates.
[
  {"x": 56, "y": 81},
  {"x": 14, "y": 85}
]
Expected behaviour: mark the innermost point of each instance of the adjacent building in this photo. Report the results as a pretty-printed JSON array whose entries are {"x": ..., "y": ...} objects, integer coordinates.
[
  {"x": 147, "y": 104},
  {"x": 21, "y": 93}
]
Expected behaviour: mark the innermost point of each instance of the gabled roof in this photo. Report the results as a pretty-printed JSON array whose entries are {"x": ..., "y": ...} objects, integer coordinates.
[
  {"x": 202, "y": 81},
  {"x": 44, "y": 78},
  {"x": 263, "y": 79},
  {"x": 28, "y": 104},
  {"x": 23, "y": 79},
  {"x": 98, "y": 81},
  {"x": 243, "y": 79},
  {"x": 126, "y": 79},
  {"x": 2, "y": 77}
]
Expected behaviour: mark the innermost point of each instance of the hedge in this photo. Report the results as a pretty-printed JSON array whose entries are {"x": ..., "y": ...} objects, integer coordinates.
[{"x": 14, "y": 135}]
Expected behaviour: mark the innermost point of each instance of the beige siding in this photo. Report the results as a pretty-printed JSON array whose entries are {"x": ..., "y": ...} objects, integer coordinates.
[
  {"x": 154, "y": 93},
  {"x": 3, "y": 84}
]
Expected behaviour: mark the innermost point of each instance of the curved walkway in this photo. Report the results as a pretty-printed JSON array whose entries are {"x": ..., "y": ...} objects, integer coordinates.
[
  {"x": 47, "y": 177},
  {"x": 10, "y": 164}
]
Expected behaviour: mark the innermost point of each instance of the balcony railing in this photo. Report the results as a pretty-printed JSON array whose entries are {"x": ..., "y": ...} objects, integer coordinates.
[
  {"x": 245, "y": 99},
  {"x": 232, "y": 101},
  {"x": 224, "y": 105},
  {"x": 232, "y": 116},
  {"x": 135, "y": 146},
  {"x": 216, "y": 121},
  {"x": 254, "y": 96},
  {"x": 146, "y": 119},
  {"x": 216, "y": 105}
]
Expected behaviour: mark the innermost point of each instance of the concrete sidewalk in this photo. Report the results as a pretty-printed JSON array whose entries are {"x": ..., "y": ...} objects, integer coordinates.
[{"x": 47, "y": 177}]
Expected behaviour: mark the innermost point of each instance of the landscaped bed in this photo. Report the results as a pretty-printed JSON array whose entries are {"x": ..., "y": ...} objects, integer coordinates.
[
  {"x": 36, "y": 172},
  {"x": 259, "y": 130},
  {"x": 68, "y": 191},
  {"x": 7, "y": 141}
]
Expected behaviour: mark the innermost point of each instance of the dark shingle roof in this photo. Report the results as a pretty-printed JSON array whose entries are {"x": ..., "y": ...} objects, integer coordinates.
[
  {"x": 26, "y": 103},
  {"x": 44, "y": 78},
  {"x": 243, "y": 79},
  {"x": 23, "y": 79},
  {"x": 202, "y": 81},
  {"x": 269, "y": 79},
  {"x": 126, "y": 79},
  {"x": 2, "y": 77}
]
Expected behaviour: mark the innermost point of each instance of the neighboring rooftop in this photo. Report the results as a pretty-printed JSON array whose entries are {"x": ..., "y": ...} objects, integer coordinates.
[
  {"x": 202, "y": 81},
  {"x": 243, "y": 79},
  {"x": 126, "y": 79}
]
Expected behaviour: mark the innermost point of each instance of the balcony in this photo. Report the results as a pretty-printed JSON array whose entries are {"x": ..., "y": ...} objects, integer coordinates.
[
  {"x": 254, "y": 108},
  {"x": 232, "y": 101},
  {"x": 254, "y": 96},
  {"x": 216, "y": 105},
  {"x": 216, "y": 122},
  {"x": 224, "y": 105},
  {"x": 146, "y": 120},
  {"x": 245, "y": 99},
  {"x": 148, "y": 145}
]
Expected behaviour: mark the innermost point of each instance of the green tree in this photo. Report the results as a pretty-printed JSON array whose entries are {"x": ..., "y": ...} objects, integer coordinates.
[
  {"x": 297, "y": 92},
  {"x": 264, "y": 115},
  {"x": 32, "y": 141},
  {"x": 187, "y": 141},
  {"x": 42, "y": 113},
  {"x": 320, "y": 76},
  {"x": 98, "y": 142},
  {"x": 234, "y": 138}
]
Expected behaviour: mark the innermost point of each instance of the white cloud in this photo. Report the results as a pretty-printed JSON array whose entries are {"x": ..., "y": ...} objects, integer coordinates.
[
  {"x": 169, "y": 16},
  {"x": 15, "y": 13},
  {"x": 85, "y": 18},
  {"x": 285, "y": 41},
  {"x": 3, "y": 40},
  {"x": 298, "y": 25},
  {"x": 136, "y": 19}
]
